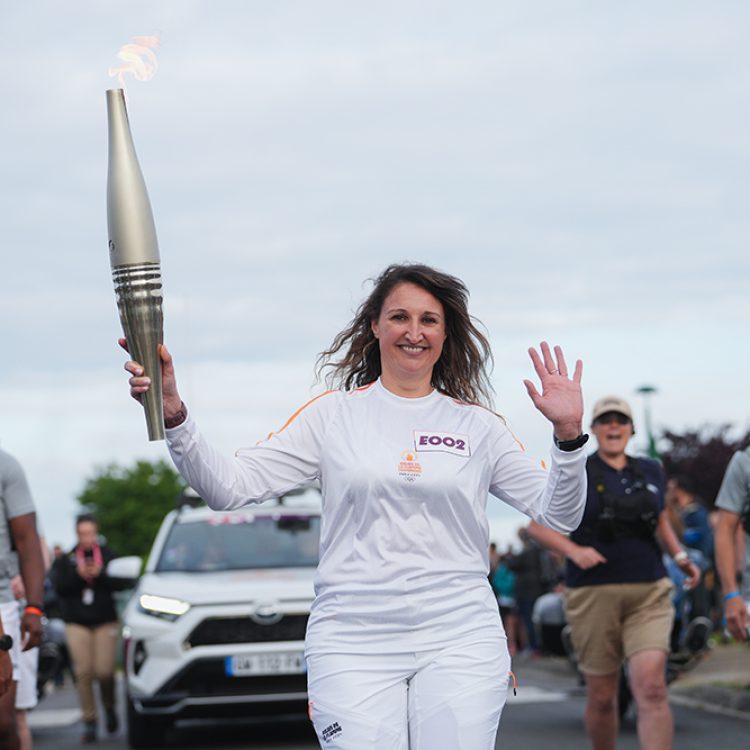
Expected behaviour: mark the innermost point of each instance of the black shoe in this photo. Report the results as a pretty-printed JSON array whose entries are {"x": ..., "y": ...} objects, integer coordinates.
[
  {"x": 89, "y": 733},
  {"x": 697, "y": 634},
  {"x": 112, "y": 722}
]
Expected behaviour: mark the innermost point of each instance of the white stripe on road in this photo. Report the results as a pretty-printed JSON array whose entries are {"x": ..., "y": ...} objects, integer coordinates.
[
  {"x": 61, "y": 717},
  {"x": 64, "y": 717},
  {"x": 531, "y": 694}
]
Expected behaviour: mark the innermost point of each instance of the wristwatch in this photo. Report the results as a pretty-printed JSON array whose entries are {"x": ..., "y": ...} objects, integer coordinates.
[
  {"x": 571, "y": 445},
  {"x": 6, "y": 643}
]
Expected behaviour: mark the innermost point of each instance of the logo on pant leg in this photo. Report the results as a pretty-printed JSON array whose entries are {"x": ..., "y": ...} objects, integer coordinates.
[{"x": 331, "y": 731}]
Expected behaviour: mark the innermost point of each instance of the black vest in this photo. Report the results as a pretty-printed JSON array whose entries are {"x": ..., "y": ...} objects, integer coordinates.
[{"x": 632, "y": 514}]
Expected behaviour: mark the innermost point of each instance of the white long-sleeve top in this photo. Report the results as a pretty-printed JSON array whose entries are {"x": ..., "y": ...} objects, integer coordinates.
[{"x": 404, "y": 531}]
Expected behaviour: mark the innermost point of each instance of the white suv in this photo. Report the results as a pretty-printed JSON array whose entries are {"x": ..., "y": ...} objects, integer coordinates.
[{"x": 216, "y": 625}]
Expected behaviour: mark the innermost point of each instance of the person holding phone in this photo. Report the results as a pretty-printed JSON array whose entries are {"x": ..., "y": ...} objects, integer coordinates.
[{"x": 91, "y": 627}]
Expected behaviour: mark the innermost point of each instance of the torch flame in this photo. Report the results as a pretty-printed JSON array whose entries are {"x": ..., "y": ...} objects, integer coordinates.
[{"x": 138, "y": 59}]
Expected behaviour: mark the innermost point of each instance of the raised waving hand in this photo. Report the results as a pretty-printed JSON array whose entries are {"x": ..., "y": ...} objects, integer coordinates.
[{"x": 561, "y": 398}]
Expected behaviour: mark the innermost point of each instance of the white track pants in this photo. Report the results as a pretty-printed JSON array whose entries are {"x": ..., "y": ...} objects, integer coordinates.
[{"x": 447, "y": 699}]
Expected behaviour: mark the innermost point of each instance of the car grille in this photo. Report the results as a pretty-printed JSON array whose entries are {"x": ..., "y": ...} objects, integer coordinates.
[
  {"x": 207, "y": 677},
  {"x": 218, "y": 630}
]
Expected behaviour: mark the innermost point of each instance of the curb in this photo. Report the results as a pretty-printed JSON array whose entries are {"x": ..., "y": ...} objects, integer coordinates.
[{"x": 715, "y": 698}]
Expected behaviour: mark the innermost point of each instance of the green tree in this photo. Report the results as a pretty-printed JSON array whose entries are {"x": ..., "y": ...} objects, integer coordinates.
[
  {"x": 702, "y": 455},
  {"x": 130, "y": 503}
]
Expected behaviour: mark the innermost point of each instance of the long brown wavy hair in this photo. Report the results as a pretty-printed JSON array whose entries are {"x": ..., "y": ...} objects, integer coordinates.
[{"x": 462, "y": 371}]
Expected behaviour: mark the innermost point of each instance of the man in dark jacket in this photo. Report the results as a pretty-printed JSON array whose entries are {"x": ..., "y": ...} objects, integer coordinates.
[{"x": 85, "y": 597}]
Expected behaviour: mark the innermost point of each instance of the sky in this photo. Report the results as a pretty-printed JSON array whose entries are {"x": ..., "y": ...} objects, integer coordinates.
[{"x": 582, "y": 166}]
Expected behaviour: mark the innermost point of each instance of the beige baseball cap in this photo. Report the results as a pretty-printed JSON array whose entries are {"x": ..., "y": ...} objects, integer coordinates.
[{"x": 611, "y": 403}]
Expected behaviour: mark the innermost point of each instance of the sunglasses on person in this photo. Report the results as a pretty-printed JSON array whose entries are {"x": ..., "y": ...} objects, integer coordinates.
[{"x": 612, "y": 416}]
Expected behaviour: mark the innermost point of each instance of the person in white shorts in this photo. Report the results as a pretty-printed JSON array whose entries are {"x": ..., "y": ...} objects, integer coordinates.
[
  {"x": 405, "y": 647},
  {"x": 20, "y": 549},
  {"x": 24, "y": 674},
  {"x": 24, "y": 665}
]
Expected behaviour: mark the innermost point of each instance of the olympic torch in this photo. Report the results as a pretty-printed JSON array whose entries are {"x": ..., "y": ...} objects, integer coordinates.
[{"x": 134, "y": 257}]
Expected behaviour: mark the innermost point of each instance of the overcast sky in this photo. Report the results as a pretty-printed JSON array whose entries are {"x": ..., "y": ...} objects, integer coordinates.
[{"x": 583, "y": 166}]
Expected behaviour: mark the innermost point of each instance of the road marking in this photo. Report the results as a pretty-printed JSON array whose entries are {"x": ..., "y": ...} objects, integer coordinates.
[
  {"x": 61, "y": 717},
  {"x": 531, "y": 694}
]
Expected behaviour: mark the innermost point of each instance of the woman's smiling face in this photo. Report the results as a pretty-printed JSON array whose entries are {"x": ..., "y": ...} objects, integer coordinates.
[{"x": 410, "y": 331}]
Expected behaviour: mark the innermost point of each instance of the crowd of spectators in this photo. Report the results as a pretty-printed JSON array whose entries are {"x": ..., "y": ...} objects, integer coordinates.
[{"x": 520, "y": 578}]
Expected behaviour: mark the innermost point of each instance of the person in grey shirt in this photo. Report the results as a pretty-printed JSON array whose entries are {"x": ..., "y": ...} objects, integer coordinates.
[
  {"x": 18, "y": 533},
  {"x": 733, "y": 503}
]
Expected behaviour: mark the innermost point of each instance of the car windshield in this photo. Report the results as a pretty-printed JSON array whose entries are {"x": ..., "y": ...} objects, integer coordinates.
[{"x": 239, "y": 542}]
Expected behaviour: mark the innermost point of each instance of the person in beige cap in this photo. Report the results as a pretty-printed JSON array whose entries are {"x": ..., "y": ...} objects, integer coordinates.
[{"x": 618, "y": 597}]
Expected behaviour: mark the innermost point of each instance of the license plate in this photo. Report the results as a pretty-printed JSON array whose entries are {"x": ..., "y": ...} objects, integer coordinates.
[{"x": 284, "y": 662}]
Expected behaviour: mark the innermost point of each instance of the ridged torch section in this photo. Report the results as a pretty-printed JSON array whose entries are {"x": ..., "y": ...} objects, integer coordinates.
[{"x": 139, "y": 301}]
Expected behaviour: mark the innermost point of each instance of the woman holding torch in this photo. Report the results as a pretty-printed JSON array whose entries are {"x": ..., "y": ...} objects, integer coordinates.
[{"x": 405, "y": 647}]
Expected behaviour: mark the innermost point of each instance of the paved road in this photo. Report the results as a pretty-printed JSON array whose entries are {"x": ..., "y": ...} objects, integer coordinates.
[{"x": 545, "y": 715}]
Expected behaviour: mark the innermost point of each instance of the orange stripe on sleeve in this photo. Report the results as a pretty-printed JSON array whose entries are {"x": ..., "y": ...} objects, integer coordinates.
[
  {"x": 294, "y": 416},
  {"x": 301, "y": 409},
  {"x": 513, "y": 435}
]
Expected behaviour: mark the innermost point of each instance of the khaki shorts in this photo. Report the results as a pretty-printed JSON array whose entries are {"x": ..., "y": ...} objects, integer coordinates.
[{"x": 610, "y": 623}]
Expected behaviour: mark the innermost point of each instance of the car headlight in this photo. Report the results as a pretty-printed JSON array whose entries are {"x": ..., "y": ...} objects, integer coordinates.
[{"x": 162, "y": 606}]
